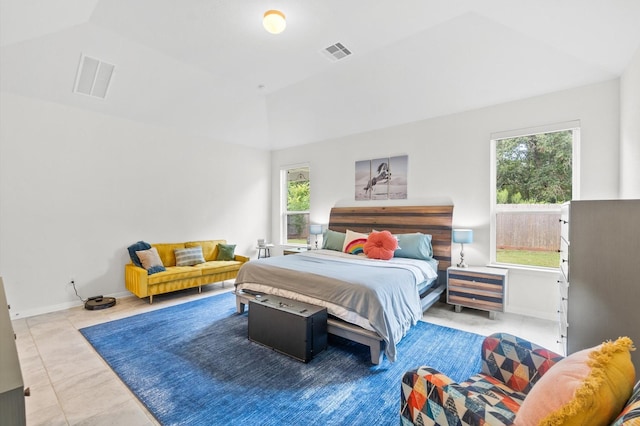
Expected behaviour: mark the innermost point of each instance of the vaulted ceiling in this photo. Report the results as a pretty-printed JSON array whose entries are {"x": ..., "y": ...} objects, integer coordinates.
[{"x": 208, "y": 68}]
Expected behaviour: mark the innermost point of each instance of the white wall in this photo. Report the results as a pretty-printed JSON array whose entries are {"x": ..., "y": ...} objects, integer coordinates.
[
  {"x": 630, "y": 130},
  {"x": 450, "y": 157},
  {"x": 77, "y": 187}
]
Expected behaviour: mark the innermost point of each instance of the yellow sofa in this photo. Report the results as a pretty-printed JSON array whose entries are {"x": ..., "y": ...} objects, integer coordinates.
[{"x": 175, "y": 277}]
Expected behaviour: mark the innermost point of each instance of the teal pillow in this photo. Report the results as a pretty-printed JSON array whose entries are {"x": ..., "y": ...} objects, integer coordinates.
[
  {"x": 226, "y": 251},
  {"x": 332, "y": 240},
  {"x": 414, "y": 246}
]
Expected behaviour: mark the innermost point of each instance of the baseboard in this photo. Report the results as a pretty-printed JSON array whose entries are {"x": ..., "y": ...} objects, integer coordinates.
[
  {"x": 60, "y": 307},
  {"x": 551, "y": 316}
]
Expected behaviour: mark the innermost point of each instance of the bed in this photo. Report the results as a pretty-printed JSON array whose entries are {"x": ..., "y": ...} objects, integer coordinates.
[{"x": 402, "y": 288}]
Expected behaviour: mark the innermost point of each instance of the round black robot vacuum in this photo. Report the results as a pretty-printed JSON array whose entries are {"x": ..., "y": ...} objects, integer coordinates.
[{"x": 95, "y": 303}]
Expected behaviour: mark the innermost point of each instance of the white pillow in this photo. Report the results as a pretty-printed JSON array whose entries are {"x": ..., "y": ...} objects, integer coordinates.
[{"x": 150, "y": 260}]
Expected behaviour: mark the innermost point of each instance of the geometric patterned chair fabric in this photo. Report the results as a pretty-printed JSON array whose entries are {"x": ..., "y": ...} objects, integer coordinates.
[{"x": 510, "y": 367}]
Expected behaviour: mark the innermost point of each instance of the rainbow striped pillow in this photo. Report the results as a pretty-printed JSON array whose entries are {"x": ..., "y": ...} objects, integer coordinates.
[{"x": 354, "y": 242}]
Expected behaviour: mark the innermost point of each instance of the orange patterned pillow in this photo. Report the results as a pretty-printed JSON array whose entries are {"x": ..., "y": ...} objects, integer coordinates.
[
  {"x": 588, "y": 387},
  {"x": 380, "y": 245}
]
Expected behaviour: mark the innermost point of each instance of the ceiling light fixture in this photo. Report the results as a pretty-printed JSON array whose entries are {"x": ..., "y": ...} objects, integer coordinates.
[{"x": 274, "y": 21}]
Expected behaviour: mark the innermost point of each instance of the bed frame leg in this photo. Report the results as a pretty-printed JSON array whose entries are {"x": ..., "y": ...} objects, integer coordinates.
[
  {"x": 376, "y": 353},
  {"x": 239, "y": 306}
]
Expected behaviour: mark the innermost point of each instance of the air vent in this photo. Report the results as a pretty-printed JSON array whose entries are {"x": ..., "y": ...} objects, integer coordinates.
[
  {"x": 93, "y": 77},
  {"x": 335, "y": 52}
]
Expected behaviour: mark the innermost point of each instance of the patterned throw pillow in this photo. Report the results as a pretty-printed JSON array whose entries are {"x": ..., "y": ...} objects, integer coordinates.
[
  {"x": 189, "y": 256},
  {"x": 226, "y": 251},
  {"x": 354, "y": 242},
  {"x": 150, "y": 260}
]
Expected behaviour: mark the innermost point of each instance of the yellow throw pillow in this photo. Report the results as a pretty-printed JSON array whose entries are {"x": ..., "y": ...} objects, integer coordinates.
[{"x": 588, "y": 387}]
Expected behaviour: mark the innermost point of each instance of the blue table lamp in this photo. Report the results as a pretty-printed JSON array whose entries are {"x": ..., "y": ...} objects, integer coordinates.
[
  {"x": 462, "y": 236},
  {"x": 315, "y": 230}
]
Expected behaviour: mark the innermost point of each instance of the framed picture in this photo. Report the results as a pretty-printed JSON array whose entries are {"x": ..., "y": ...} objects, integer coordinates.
[{"x": 381, "y": 178}]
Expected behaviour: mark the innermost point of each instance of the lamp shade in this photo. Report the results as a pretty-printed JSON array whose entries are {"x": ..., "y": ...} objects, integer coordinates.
[
  {"x": 274, "y": 21},
  {"x": 315, "y": 229},
  {"x": 463, "y": 236}
]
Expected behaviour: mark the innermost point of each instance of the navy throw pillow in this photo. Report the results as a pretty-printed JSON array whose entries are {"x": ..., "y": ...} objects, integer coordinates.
[{"x": 156, "y": 269}]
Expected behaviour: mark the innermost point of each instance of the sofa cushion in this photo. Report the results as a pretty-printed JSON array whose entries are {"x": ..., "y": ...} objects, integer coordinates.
[
  {"x": 226, "y": 251},
  {"x": 133, "y": 248},
  {"x": 174, "y": 273},
  {"x": 167, "y": 252},
  {"x": 588, "y": 387},
  {"x": 631, "y": 411},
  {"x": 494, "y": 392},
  {"x": 150, "y": 260},
  {"x": 189, "y": 256},
  {"x": 209, "y": 248},
  {"x": 430, "y": 397},
  {"x": 218, "y": 266}
]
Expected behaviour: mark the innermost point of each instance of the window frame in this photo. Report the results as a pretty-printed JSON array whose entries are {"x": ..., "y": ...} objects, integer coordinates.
[
  {"x": 284, "y": 212},
  {"x": 575, "y": 127}
]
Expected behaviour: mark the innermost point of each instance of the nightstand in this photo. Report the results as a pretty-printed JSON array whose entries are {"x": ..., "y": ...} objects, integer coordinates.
[
  {"x": 477, "y": 287},
  {"x": 294, "y": 250}
]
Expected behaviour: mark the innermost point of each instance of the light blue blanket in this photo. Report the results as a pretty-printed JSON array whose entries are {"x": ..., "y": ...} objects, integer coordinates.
[{"x": 384, "y": 292}]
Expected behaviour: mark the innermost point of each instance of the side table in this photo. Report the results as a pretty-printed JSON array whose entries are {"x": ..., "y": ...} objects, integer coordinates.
[
  {"x": 294, "y": 250},
  {"x": 264, "y": 251},
  {"x": 477, "y": 287}
]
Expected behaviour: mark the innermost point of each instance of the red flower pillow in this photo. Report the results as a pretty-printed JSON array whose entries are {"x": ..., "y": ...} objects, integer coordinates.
[{"x": 380, "y": 245}]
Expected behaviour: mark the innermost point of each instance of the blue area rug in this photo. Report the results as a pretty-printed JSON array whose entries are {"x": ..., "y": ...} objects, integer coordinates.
[{"x": 192, "y": 364}]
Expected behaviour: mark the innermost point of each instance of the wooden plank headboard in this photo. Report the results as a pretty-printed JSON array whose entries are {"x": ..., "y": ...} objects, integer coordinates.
[{"x": 434, "y": 220}]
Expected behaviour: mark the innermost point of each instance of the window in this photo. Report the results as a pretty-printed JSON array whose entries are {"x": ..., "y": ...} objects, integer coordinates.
[
  {"x": 296, "y": 205},
  {"x": 534, "y": 173}
]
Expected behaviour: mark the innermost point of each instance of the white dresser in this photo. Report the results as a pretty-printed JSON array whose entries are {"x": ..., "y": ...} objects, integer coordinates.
[
  {"x": 604, "y": 274},
  {"x": 563, "y": 278}
]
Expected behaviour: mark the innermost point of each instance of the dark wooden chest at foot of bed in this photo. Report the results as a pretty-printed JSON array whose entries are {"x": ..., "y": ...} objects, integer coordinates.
[{"x": 293, "y": 328}]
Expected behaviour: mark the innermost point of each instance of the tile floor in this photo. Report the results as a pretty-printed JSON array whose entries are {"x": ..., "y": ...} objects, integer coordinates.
[{"x": 71, "y": 385}]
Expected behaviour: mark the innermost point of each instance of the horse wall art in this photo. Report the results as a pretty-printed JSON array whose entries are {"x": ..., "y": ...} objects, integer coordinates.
[{"x": 381, "y": 178}]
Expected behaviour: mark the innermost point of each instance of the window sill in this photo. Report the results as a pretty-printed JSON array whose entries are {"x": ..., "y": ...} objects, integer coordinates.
[{"x": 524, "y": 268}]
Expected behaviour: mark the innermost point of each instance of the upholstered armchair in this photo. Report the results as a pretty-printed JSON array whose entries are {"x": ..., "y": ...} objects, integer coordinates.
[{"x": 511, "y": 367}]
